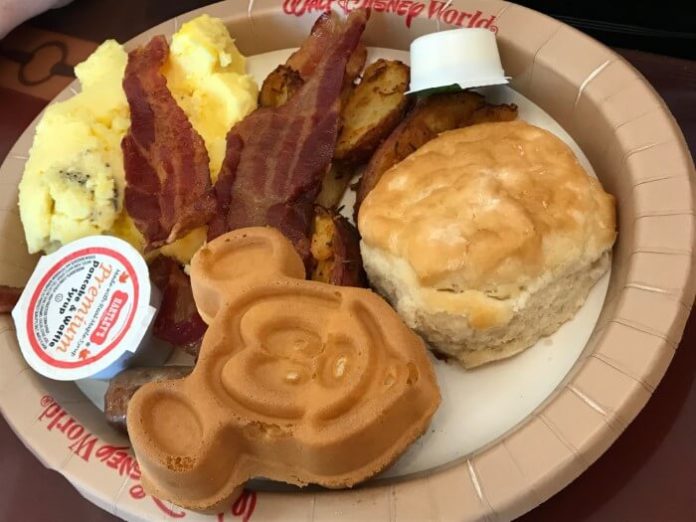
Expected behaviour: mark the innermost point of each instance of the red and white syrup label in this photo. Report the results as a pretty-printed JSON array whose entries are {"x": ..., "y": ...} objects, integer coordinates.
[
  {"x": 86, "y": 309},
  {"x": 82, "y": 307}
]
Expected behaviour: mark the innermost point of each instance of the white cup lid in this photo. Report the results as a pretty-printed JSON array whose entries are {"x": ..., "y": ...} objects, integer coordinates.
[{"x": 464, "y": 57}]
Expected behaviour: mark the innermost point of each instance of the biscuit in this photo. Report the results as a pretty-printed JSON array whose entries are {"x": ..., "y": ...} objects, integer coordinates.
[{"x": 487, "y": 238}]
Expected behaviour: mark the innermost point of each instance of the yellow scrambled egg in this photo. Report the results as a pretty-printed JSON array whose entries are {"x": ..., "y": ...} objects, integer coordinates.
[
  {"x": 206, "y": 74},
  {"x": 73, "y": 182}
]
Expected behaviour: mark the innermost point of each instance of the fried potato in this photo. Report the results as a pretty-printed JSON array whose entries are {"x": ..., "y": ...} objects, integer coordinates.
[
  {"x": 336, "y": 249},
  {"x": 372, "y": 110},
  {"x": 494, "y": 113},
  {"x": 355, "y": 64},
  {"x": 431, "y": 116},
  {"x": 334, "y": 185},
  {"x": 279, "y": 86}
]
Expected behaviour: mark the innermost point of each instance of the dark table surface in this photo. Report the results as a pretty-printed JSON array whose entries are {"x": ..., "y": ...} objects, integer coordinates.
[{"x": 649, "y": 474}]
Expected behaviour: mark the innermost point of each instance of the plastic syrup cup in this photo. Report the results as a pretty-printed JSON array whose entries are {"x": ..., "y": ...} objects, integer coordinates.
[
  {"x": 464, "y": 57},
  {"x": 87, "y": 310}
]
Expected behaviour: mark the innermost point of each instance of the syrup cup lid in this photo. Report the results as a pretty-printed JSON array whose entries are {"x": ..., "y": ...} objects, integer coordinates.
[
  {"x": 86, "y": 310},
  {"x": 464, "y": 57}
]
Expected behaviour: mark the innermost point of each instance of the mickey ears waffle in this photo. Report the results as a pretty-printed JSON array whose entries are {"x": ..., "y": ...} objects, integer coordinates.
[{"x": 296, "y": 381}]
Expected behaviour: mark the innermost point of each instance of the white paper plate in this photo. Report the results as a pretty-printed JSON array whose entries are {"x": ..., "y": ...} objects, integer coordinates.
[
  {"x": 508, "y": 435},
  {"x": 478, "y": 406}
]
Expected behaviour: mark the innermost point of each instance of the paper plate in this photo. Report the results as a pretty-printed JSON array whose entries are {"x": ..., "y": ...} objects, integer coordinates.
[{"x": 509, "y": 435}]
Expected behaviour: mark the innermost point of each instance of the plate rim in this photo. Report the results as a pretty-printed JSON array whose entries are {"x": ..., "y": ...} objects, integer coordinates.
[{"x": 499, "y": 479}]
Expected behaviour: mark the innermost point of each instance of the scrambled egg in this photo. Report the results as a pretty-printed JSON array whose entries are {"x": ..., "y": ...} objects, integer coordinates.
[
  {"x": 206, "y": 74},
  {"x": 73, "y": 182}
]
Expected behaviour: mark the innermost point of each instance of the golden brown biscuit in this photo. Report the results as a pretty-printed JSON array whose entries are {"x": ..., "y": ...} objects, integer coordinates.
[
  {"x": 487, "y": 238},
  {"x": 296, "y": 381}
]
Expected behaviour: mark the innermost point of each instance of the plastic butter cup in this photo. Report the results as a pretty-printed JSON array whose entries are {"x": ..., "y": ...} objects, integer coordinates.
[
  {"x": 464, "y": 57},
  {"x": 87, "y": 310}
]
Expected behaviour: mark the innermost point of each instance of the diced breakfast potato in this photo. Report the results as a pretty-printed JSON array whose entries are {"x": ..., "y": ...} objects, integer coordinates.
[
  {"x": 334, "y": 185},
  {"x": 336, "y": 249},
  {"x": 279, "y": 86},
  {"x": 494, "y": 113},
  {"x": 355, "y": 63},
  {"x": 372, "y": 110},
  {"x": 321, "y": 246}
]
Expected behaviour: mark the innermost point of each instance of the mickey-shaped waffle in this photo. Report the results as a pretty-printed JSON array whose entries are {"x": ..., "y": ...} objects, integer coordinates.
[{"x": 297, "y": 381}]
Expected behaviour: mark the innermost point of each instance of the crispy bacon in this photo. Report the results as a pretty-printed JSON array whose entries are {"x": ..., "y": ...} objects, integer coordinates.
[
  {"x": 323, "y": 34},
  {"x": 276, "y": 157},
  {"x": 286, "y": 79},
  {"x": 177, "y": 321},
  {"x": 168, "y": 189},
  {"x": 9, "y": 296}
]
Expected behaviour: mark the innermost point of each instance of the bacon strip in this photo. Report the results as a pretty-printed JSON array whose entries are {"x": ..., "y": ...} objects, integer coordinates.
[
  {"x": 9, "y": 296},
  {"x": 168, "y": 191},
  {"x": 323, "y": 34},
  {"x": 177, "y": 321},
  {"x": 276, "y": 157},
  {"x": 285, "y": 80}
]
